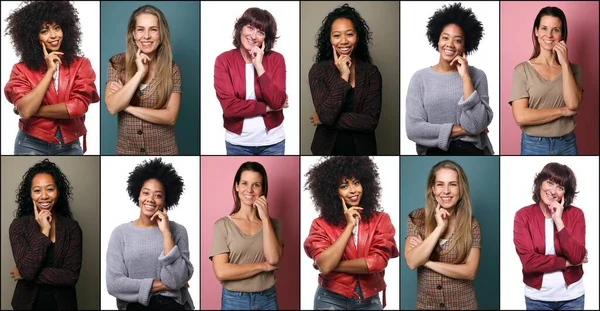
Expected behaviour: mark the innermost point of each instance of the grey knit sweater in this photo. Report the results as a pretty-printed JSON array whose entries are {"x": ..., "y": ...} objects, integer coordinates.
[
  {"x": 434, "y": 103},
  {"x": 135, "y": 258}
]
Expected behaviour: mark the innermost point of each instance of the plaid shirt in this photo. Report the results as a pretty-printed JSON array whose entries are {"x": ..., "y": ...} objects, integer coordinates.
[
  {"x": 136, "y": 136},
  {"x": 436, "y": 291}
]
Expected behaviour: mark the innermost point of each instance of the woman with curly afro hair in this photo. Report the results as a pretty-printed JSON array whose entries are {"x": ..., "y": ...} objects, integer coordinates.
[
  {"x": 147, "y": 262},
  {"x": 345, "y": 87},
  {"x": 52, "y": 86},
  {"x": 447, "y": 104},
  {"x": 46, "y": 242},
  {"x": 352, "y": 239}
]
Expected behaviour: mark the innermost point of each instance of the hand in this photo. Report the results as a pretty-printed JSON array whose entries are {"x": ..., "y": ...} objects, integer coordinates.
[
  {"x": 441, "y": 217},
  {"x": 262, "y": 207},
  {"x": 566, "y": 112},
  {"x": 351, "y": 214},
  {"x": 51, "y": 58},
  {"x": 457, "y": 130},
  {"x": 414, "y": 241},
  {"x": 44, "y": 220},
  {"x": 314, "y": 119},
  {"x": 15, "y": 275},
  {"x": 461, "y": 64},
  {"x": 158, "y": 286},
  {"x": 266, "y": 267},
  {"x": 115, "y": 86},
  {"x": 342, "y": 63},
  {"x": 142, "y": 62},
  {"x": 556, "y": 208},
  {"x": 257, "y": 54},
  {"x": 561, "y": 52},
  {"x": 486, "y": 130},
  {"x": 186, "y": 285},
  {"x": 163, "y": 221}
]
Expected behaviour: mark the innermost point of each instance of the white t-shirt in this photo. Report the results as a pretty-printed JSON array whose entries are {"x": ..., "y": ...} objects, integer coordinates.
[
  {"x": 554, "y": 287},
  {"x": 55, "y": 77},
  {"x": 254, "y": 132}
]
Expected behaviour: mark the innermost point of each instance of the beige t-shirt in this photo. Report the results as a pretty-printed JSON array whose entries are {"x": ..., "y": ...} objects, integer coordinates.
[
  {"x": 542, "y": 94},
  {"x": 243, "y": 249}
]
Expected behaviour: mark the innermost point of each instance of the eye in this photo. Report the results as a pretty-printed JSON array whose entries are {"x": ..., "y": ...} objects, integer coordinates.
[
  {"x": 36, "y": 191},
  {"x": 357, "y": 182},
  {"x": 262, "y": 33}
]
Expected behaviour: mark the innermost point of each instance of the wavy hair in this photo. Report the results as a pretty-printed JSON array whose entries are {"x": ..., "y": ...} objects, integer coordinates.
[
  {"x": 559, "y": 174},
  {"x": 260, "y": 19}
]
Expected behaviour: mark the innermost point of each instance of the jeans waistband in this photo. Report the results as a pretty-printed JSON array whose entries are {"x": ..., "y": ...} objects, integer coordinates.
[
  {"x": 264, "y": 292},
  {"x": 566, "y": 136}
]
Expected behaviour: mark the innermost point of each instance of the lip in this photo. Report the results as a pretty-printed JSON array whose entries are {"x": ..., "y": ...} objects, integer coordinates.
[
  {"x": 353, "y": 198},
  {"x": 149, "y": 207},
  {"x": 449, "y": 52},
  {"x": 345, "y": 49},
  {"x": 44, "y": 205}
]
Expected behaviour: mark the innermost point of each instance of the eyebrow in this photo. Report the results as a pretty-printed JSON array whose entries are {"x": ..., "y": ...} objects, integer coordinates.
[
  {"x": 348, "y": 29},
  {"x": 447, "y": 34},
  {"x": 145, "y": 188}
]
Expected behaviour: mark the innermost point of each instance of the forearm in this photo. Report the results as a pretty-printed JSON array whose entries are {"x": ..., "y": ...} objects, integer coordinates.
[
  {"x": 158, "y": 286},
  {"x": 57, "y": 276},
  {"x": 120, "y": 99},
  {"x": 55, "y": 111},
  {"x": 454, "y": 271},
  {"x": 571, "y": 92},
  {"x": 419, "y": 255},
  {"x": 271, "y": 245},
  {"x": 353, "y": 266},
  {"x": 330, "y": 258},
  {"x": 156, "y": 116},
  {"x": 529, "y": 116},
  {"x": 168, "y": 243},
  {"x": 233, "y": 272},
  {"x": 467, "y": 85},
  {"x": 458, "y": 130},
  {"x": 29, "y": 104}
]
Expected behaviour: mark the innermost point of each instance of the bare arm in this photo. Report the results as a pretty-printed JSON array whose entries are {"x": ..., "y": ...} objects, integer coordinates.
[
  {"x": 117, "y": 100},
  {"x": 353, "y": 266},
  {"x": 526, "y": 116},
  {"x": 571, "y": 91},
  {"x": 330, "y": 258},
  {"x": 166, "y": 116},
  {"x": 466, "y": 271},
  {"x": 418, "y": 255},
  {"x": 56, "y": 111},
  {"x": 225, "y": 271},
  {"x": 271, "y": 245}
]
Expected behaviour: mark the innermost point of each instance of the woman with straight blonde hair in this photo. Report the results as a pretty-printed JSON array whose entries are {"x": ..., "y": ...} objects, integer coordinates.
[
  {"x": 443, "y": 241},
  {"x": 144, "y": 87}
]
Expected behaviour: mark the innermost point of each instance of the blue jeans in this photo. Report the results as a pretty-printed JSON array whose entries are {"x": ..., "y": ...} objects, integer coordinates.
[
  {"x": 276, "y": 149},
  {"x": 573, "y": 304},
  {"x": 328, "y": 300},
  {"x": 265, "y": 300},
  {"x": 26, "y": 144},
  {"x": 534, "y": 145}
]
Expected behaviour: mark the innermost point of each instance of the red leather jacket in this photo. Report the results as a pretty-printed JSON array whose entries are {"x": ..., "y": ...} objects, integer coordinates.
[
  {"x": 376, "y": 245},
  {"x": 76, "y": 89}
]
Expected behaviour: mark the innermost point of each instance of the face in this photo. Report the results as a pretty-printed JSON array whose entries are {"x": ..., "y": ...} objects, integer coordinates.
[
  {"x": 251, "y": 36},
  {"x": 44, "y": 192},
  {"x": 249, "y": 188},
  {"x": 152, "y": 197},
  {"x": 350, "y": 190},
  {"x": 446, "y": 188},
  {"x": 551, "y": 192},
  {"x": 451, "y": 43},
  {"x": 51, "y": 35},
  {"x": 146, "y": 33},
  {"x": 549, "y": 33},
  {"x": 343, "y": 36}
]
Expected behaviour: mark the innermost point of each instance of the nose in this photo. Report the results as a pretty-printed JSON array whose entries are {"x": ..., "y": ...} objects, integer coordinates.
[
  {"x": 446, "y": 190},
  {"x": 344, "y": 39},
  {"x": 44, "y": 194}
]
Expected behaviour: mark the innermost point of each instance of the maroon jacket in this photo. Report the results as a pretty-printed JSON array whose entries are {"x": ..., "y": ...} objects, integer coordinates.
[
  {"x": 328, "y": 91},
  {"x": 376, "y": 245},
  {"x": 230, "y": 85},
  {"x": 569, "y": 243},
  {"x": 76, "y": 89},
  {"x": 29, "y": 247}
]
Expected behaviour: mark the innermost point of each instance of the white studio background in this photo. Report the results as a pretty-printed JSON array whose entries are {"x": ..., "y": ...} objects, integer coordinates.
[
  {"x": 389, "y": 168},
  {"x": 516, "y": 184},
  {"x": 216, "y": 31},
  {"x": 89, "y": 19},
  {"x": 117, "y": 208},
  {"x": 416, "y": 54}
]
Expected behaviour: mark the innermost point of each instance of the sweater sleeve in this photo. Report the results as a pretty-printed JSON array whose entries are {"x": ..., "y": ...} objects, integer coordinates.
[
  {"x": 368, "y": 118},
  {"x": 328, "y": 93},
  {"x": 176, "y": 268},
  {"x": 272, "y": 83},
  {"x": 532, "y": 262},
  {"x": 118, "y": 283},
  {"x": 418, "y": 128},
  {"x": 383, "y": 247},
  {"x": 476, "y": 113},
  {"x": 572, "y": 238}
]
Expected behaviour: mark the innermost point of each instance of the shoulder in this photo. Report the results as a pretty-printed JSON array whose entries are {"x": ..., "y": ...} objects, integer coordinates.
[
  {"x": 474, "y": 222},
  {"x": 574, "y": 210},
  {"x": 226, "y": 55},
  {"x": 526, "y": 210},
  {"x": 274, "y": 56},
  {"x": 70, "y": 223},
  {"x": 177, "y": 228},
  {"x": 321, "y": 68},
  {"x": 117, "y": 61},
  {"x": 417, "y": 214},
  {"x": 522, "y": 66},
  {"x": 222, "y": 222},
  {"x": 21, "y": 222},
  {"x": 122, "y": 229},
  {"x": 476, "y": 73},
  {"x": 420, "y": 74}
]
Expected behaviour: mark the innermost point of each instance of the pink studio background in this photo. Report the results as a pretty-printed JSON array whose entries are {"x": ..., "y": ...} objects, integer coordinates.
[
  {"x": 283, "y": 173},
  {"x": 516, "y": 22}
]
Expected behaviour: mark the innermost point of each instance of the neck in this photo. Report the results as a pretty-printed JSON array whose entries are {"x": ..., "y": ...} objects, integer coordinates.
[
  {"x": 545, "y": 210},
  {"x": 247, "y": 213},
  {"x": 547, "y": 58},
  {"x": 444, "y": 66},
  {"x": 145, "y": 222},
  {"x": 245, "y": 55}
]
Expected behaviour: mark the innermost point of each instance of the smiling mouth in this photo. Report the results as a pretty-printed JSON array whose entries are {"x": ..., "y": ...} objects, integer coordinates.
[
  {"x": 45, "y": 205},
  {"x": 353, "y": 198},
  {"x": 149, "y": 207},
  {"x": 449, "y": 52}
]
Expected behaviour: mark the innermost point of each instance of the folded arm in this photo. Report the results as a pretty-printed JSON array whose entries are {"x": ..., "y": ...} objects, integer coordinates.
[
  {"x": 524, "y": 115},
  {"x": 273, "y": 89},
  {"x": 271, "y": 245},
  {"x": 118, "y": 96},
  {"x": 417, "y": 256},
  {"x": 533, "y": 262},
  {"x": 465, "y": 271},
  {"x": 28, "y": 248},
  {"x": 163, "y": 116},
  {"x": 328, "y": 93},
  {"x": 476, "y": 113},
  {"x": 225, "y": 271},
  {"x": 572, "y": 93},
  {"x": 27, "y": 99},
  {"x": 177, "y": 269},
  {"x": 572, "y": 240},
  {"x": 368, "y": 118},
  {"x": 68, "y": 275}
]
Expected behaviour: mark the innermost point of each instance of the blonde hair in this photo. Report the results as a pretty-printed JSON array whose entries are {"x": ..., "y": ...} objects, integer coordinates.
[
  {"x": 163, "y": 58},
  {"x": 463, "y": 238}
]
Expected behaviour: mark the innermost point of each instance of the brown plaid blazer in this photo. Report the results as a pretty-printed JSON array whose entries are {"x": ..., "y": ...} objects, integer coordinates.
[{"x": 136, "y": 136}]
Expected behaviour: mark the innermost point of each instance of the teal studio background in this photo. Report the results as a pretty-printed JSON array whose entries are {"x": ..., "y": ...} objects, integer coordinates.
[
  {"x": 483, "y": 176},
  {"x": 184, "y": 23}
]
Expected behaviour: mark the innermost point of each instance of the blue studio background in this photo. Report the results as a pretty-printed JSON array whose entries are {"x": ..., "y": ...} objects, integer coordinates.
[
  {"x": 483, "y": 176},
  {"x": 184, "y": 23}
]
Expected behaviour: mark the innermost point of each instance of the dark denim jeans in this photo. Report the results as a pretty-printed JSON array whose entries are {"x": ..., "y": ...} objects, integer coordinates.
[
  {"x": 157, "y": 302},
  {"x": 26, "y": 144},
  {"x": 276, "y": 149},
  {"x": 534, "y": 145},
  {"x": 573, "y": 304},
  {"x": 265, "y": 300},
  {"x": 328, "y": 300}
]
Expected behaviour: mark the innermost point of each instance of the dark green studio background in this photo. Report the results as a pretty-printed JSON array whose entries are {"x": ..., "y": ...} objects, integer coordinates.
[
  {"x": 184, "y": 23},
  {"x": 484, "y": 183}
]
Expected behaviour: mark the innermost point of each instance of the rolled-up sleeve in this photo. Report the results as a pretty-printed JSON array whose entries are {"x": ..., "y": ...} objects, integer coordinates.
[{"x": 83, "y": 91}]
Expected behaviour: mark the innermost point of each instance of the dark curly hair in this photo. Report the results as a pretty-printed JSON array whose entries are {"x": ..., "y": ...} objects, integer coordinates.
[
  {"x": 24, "y": 28},
  {"x": 559, "y": 174},
  {"x": 163, "y": 172},
  {"x": 365, "y": 36},
  {"x": 260, "y": 19},
  {"x": 65, "y": 191},
  {"x": 455, "y": 14},
  {"x": 323, "y": 181}
]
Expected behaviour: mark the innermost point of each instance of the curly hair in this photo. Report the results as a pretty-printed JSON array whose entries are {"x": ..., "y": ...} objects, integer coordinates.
[
  {"x": 323, "y": 181},
  {"x": 163, "y": 172},
  {"x": 260, "y": 19},
  {"x": 455, "y": 14},
  {"x": 24, "y": 27},
  {"x": 560, "y": 174},
  {"x": 65, "y": 191},
  {"x": 365, "y": 36}
]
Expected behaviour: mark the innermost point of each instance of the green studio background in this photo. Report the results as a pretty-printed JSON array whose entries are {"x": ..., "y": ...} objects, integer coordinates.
[
  {"x": 483, "y": 176},
  {"x": 184, "y": 24}
]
